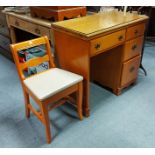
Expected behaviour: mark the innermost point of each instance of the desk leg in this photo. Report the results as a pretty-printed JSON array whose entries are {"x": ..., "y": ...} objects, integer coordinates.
[
  {"x": 11, "y": 31},
  {"x": 86, "y": 96},
  {"x": 117, "y": 91},
  {"x": 52, "y": 38},
  {"x": 12, "y": 34}
]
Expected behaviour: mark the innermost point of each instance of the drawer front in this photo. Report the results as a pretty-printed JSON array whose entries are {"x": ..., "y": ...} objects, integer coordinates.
[
  {"x": 132, "y": 48},
  {"x": 130, "y": 70},
  {"x": 30, "y": 27},
  {"x": 4, "y": 42},
  {"x": 135, "y": 31},
  {"x": 106, "y": 42}
]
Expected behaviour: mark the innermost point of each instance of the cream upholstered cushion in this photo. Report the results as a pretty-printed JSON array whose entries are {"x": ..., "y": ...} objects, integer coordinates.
[{"x": 50, "y": 82}]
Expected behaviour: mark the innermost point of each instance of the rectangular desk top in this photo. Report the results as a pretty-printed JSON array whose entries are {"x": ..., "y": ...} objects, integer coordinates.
[{"x": 101, "y": 22}]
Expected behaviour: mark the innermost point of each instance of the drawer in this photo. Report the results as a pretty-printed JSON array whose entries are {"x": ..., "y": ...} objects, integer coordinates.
[
  {"x": 132, "y": 48},
  {"x": 4, "y": 42},
  {"x": 29, "y": 27},
  {"x": 106, "y": 42},
  {"x": 135, "y": 31},
  {"x": 130, "y": 70}
]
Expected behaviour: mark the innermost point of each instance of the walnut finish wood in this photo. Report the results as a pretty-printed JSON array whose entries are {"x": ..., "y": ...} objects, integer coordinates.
[
  {"x": 96, "y": 47},
  {"x": 44, "y": 104}
]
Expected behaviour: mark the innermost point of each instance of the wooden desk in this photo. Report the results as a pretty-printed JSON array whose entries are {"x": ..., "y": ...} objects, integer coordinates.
[
  {"x": 25, "y": 22},
  {"x": 105, "y": 48}
]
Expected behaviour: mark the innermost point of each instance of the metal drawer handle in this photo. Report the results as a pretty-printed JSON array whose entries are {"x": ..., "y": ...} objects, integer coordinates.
[
  {"x": 132, "y": 69},
  {"x": 97, "y": 46},
  {"x": 134, "y": 47},
  {"x": 37, "y": 31},
  {"x": 120, "y": 37},
  {"x": 136, "y": 32},
  {"x": 16, "y": 23}
]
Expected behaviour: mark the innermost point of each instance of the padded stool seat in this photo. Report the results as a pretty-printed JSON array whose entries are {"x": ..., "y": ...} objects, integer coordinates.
[{"x": 50, "y": 82}]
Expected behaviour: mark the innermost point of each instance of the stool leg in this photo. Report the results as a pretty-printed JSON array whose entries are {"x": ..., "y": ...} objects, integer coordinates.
[
  {"x": 79, "y": 99},
  {"x": 46, "y": 123},
  {"x": 27, "y": 102}
]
